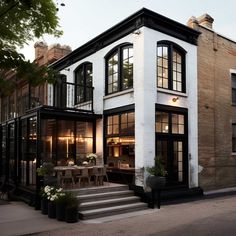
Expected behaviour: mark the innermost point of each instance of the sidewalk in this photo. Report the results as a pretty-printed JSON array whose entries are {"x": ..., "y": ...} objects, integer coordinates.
[{"x": 17, "y": 218}]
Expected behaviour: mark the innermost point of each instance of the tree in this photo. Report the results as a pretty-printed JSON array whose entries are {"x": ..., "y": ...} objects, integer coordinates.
[{"x": 20, "y": 22}]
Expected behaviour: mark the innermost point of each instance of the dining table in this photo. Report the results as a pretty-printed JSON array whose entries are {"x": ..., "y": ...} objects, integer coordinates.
[{"x": 60, "y": 170}]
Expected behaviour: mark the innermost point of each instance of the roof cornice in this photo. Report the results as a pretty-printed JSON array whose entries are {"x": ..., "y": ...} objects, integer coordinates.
[{"x": 143, "y": 17}]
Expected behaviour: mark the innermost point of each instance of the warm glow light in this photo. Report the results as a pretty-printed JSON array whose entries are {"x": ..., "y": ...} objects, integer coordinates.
[{"x": 175, "y": 99}]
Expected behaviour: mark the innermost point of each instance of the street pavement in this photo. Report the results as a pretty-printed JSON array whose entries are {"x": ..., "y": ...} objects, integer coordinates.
[{"x": 206, "y": 216}]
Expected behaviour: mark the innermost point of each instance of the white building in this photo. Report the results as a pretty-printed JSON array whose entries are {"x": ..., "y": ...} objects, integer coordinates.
[{"x": 144, "y": 77}]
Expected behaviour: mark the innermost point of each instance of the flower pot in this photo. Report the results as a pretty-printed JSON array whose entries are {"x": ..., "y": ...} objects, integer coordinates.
[
  {"x": 156, "y": 182},
  {"x": 44, "y": 206},
  {"x": 72, "y": 214},
  {"x": 51, "y": 209},
  {"x": 60, "y": 212}
]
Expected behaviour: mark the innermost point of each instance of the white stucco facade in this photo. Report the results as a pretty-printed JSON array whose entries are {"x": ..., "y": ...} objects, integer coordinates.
[{"x": 145, "y": 95}]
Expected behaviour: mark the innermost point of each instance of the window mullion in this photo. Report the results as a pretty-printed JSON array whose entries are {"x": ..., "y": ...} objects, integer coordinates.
[
  {"x": 120, "y": 64},
  {"x": 170, "y": 65}
]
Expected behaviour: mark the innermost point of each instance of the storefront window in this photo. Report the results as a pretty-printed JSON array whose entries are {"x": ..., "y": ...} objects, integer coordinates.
[{"x": 120, "y": 140}]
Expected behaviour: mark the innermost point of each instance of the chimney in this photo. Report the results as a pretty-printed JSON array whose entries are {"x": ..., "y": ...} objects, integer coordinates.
[
  {"x": 206, "y": 21},
  {"x": 193, "y": 23},
  {"x": 40, "y": 49},
  {"x": 56, "y": 51}
]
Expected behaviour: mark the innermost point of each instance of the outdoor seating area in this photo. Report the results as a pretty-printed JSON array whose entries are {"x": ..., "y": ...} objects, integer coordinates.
[{"x": 80, "y": 176}]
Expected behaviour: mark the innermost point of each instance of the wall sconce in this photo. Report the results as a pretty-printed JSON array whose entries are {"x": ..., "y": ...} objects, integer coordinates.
[{"x": 175, "y": 99}]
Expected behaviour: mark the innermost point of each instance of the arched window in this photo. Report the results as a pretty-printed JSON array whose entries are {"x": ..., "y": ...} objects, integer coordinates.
[
  {"x": 170, "y": 66},
  {"x": 83, "y": 83},
  {"x": 119, "y": 69}
]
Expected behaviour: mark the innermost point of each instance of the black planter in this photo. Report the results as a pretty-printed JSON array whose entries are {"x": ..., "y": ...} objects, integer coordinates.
[
  {"x": 72, "y": 214},
  {"x": 44, "y": 206},
  {"x": 51, "y": 209},
  {"x": 60, "y": 212},
  {"x": 156, "y": 182}
]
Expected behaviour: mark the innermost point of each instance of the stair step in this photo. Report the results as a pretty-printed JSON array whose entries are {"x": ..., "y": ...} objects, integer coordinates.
[
  {"x": 109, "y": 195},
  {"x": 108, "y": 211},
  {"x": 108, "y": 202},
  {"x": 104, "y": 189}
]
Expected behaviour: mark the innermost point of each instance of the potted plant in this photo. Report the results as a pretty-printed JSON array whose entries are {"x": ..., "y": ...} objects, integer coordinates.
[
  {"x": 72, "y": 209},
  {"x": 47, "y": 170},
  {"x": 61, "y": 203},
  {"x": 91, "y": 158},
  {"x": 52, "y": 195},
  {"x": 157, "y": 177},
  {"x": 44, "y": 200}
]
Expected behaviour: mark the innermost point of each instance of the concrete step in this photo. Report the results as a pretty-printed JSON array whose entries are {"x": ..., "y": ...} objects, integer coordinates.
[
  {"x": 103, "y": 189},
  {"x": 103, "y": 196},
  {"x": 108, "y": 203},
  {"x": 108, "y": 211}
]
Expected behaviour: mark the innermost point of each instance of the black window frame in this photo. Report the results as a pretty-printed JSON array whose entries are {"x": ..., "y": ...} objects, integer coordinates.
[
  {"x": 120, "y": 133},
  {"x": 120, "y": 80},
  {"x": 233, "y": 137},
  {"x": 171, "y": 47},
  {"x": 233, "y": 87},
  {"x": 87, "y": 88}
]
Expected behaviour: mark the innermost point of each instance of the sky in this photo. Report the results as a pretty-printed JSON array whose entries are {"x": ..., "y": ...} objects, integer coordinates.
[{"x": 82, "y": 20}]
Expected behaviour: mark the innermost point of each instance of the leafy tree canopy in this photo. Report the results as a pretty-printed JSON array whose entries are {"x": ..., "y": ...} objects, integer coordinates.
[{"x": 20, "y": 22}]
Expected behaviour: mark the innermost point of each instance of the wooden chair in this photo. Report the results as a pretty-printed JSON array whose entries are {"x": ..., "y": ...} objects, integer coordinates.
[
  {"x": 84, "y": 176},
  {"x": 104, "y": 174},
  {"x": 96, "y": 174},
  {"x": 67, "y": 177}
]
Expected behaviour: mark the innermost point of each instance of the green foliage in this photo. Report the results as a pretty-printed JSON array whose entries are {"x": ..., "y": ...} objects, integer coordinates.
[
  {"x": 47, "y": 168},
  {"x": 20, "y": 22},
  {"x": 158, "y": 169},
  {"x": 72, "y": 201}
]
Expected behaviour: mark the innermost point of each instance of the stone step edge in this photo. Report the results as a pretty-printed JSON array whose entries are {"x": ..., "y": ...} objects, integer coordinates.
[
  {"x": 112, "y": 209},
  {"x": 113, "y": 200},
  {"x": 104, "y": 194}
]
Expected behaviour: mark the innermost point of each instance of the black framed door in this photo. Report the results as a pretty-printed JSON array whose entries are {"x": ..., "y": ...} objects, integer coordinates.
[
  {"x": 172, "y": 142},
  {"x": 174, "y": 155}
]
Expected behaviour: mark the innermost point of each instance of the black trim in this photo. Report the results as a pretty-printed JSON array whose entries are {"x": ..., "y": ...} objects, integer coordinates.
[
  {"x": 143, "y": 17},
  {"x": 171, "y": 137},
  {"x": 119, "y": 110},
  {"x": 119, "y": 50},
  {"x": 171, "y": 46}
]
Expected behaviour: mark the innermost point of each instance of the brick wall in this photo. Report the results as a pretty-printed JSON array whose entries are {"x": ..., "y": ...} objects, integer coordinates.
[{"x": 216, "y": 56}]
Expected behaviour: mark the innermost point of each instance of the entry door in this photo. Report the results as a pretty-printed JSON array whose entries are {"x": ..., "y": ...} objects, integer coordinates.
[{"x": 173, "y": 154}]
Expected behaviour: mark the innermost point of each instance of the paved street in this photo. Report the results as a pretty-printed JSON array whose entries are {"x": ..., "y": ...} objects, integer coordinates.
[{"x": 216, "y": 216}]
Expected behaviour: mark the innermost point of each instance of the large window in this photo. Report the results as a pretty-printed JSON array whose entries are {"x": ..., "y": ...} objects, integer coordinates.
[
  {"x": 233, "y": 137},
  {"x": 119, "y": 69},
  {"x": 84, "y": 83},
  {"x": 120, "y": 140},
  {"x": 233, "y": 76},
  {"x": 169, "y": 123},
  {"x": 170, "y": 67}
]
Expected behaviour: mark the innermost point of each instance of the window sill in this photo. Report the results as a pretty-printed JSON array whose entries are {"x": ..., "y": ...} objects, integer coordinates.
[
  {"x": 234, "y": 105},
  {"x": 233, "y": 154},
  {"x": 118, "y": 94},
  {"x": 171, "y": 92}
]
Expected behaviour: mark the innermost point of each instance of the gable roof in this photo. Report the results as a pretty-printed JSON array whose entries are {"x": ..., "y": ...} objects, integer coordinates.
[{"x": 143, "y": 17}]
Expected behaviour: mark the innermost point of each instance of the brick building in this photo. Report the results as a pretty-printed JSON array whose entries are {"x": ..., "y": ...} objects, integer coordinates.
[{"x": 216, "y": 106}]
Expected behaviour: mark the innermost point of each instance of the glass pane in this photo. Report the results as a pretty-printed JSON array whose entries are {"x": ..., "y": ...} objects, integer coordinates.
[
  {"x": 233, "y": 81},
  {"x": 131, "y": 117},
  {"x": 124, "y": 118},
  {"x": 116, "y": 119},
  {"x": 165, "y": 52},
  {"x": 159, "y": 51},
  {"x": 125, "y": 53},
  {"x": 115, "y": 129}
]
